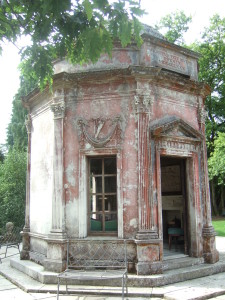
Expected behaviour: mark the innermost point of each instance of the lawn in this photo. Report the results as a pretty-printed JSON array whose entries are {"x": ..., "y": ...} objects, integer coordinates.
[{"x": 219, "y": 226}]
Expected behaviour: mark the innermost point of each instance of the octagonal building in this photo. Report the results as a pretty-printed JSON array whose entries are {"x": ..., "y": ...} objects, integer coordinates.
[{"x": 117, "y": 151}]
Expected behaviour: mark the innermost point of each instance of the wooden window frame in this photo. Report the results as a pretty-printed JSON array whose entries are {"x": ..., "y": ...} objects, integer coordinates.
[{"x": 89, "y": 194}]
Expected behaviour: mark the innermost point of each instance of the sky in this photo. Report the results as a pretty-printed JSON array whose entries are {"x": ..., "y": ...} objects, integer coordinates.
[{"x": 200, "y": 10}]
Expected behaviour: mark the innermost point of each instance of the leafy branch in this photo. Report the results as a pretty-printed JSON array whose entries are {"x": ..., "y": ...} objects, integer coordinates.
[{"x": 78, "y": 30}]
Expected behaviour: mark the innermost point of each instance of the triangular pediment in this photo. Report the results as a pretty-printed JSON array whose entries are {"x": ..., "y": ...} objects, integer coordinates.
[{"x": 173, "y": 126}]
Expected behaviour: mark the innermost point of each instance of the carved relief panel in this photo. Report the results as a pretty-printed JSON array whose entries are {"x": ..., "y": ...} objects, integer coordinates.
[{"x": 100, "y": 132}]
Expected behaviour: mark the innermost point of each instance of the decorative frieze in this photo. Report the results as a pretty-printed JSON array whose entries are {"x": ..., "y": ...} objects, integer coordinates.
[
  {"x": 100, "y": 131},
  {"x": 177, "y": 145},
  {"x": 171, "y": 96},
  {"x": 58, "y": 109}
]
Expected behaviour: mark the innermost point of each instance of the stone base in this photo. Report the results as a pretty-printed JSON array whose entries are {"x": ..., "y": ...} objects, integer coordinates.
[
  {"x": 149, "y": 257},
  {"x": 149, "y": 235},
  {"x": 54, "y": 265},
  {"x": 211, "y": 258},
  {"x": 25, "y": 253},
  {"x": 37, "y": 257},
  {"x": 146, "y": 268},
  {"x": 210, "y": 253},
  {"x": 56, "y": 252}
]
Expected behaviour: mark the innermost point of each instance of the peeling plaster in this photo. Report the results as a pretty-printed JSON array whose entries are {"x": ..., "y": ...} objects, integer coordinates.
[
  {"x": 134, "y": 223},
  {"x": 70, "y": 174},
  {"x": 126, "y": 202},
  {"x": 72, "y": 218},
  {"x": 131, "y": 187}
]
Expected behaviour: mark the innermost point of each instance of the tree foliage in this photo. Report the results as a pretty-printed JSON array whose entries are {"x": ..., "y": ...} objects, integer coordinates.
[
  {"x": 175, "y": 25},
  {"x": 212, "y": 71},
  {"x": 12, "y": 188},
  {"x": 216, "y": 161},
  {"x": 2, "y": 156},
  {"x": 77, "y": 29},
  {"x": 16, "y": 130}
]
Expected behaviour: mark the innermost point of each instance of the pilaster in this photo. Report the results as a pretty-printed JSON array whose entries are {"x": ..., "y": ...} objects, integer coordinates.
[
  {"x": 24, "y": 254},
  {"x": 149, "y": 248},
  {"x": 211, "y": 255},
  {"x": 55, "y": 260},
  {"x": 145, "y": 201},
  {"x": 58, "y": 205}
]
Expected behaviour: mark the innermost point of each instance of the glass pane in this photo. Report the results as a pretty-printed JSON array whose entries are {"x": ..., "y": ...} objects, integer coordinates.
[
  {"x": 96, "y": 184},
  {"x": 110, "y": 165},
  {"x": 110, "y": 203},
  {"x": 110, "y": 184},
  {"x": 96, "y": 166},
  {"x": 96, "y": 203},
  {"x": 96, "y": 222},
  {"x": 111, "y": 222}
]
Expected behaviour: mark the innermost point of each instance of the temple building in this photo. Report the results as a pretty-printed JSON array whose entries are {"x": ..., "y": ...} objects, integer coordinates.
[{"x": 117, "y": 151}]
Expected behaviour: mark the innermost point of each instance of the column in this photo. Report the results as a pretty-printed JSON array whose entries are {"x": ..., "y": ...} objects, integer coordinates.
[
  {"x": 210, "y": 253},
  {"x": 56, "y": 249},
  {"x": 149, "y": 248},
  {"x": 147, "y": 227},
  {"x": 24, "y": 254}
]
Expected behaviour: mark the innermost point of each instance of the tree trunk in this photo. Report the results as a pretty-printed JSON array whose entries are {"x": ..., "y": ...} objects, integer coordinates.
[
  {"x": 222, "y": 199},
  {"x": 213, "y": 199}
]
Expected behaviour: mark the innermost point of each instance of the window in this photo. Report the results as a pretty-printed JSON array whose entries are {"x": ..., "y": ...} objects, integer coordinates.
[{"x": 102, "y": 195}]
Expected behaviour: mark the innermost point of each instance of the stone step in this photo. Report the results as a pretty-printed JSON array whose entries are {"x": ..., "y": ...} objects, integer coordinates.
[
  {"x": 196, "y": 289},
  {"x": 180, "y": 261},
  {"x": 169, "y": 276},
  {"x": 177, "y": 275}
]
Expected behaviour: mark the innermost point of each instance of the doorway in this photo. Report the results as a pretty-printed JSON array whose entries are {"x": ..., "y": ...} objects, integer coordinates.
[{"x": 174, "y": 205}]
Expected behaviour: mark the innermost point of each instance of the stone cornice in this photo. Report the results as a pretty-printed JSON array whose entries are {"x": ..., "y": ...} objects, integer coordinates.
[
  {"x": 154, "y": 75},
  {"x": 165, "y": 78}
]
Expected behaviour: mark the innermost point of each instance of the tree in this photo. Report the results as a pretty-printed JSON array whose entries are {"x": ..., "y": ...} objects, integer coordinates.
[
  {"x": 12, "y": 188},
  {"x": 212, "y": 71},
  {"x": 216, "y": 161},
  {"x": 175, "y": 25},
  {"x": 16, "y": 130},
  {"x": 2, "y": 156},
  {"x": 79, "y": 30},
  {"x": 216, "y": 165}
]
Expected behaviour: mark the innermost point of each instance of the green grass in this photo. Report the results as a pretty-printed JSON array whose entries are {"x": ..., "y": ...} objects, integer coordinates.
[{"x": 219, "y": 226}]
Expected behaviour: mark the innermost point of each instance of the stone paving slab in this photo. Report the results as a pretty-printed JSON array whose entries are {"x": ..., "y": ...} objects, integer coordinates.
[{"x": 6, "y": 284}]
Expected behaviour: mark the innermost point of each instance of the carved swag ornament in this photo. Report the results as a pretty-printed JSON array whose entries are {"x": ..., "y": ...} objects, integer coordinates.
[{"x": 100, "y": 131}]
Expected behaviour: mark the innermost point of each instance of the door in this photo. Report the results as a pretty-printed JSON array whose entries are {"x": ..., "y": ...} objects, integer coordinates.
[{"x": 174, "y": 203}]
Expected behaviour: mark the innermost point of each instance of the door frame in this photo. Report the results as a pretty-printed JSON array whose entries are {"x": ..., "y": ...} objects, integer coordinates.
[
  {"x": 181, "y": 162},
  {"x": 193, "y": 200}
]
